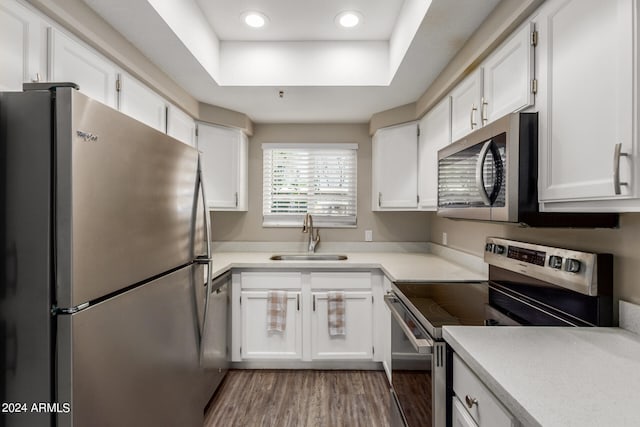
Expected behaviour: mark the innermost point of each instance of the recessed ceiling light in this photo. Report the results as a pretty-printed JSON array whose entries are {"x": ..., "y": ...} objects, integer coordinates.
[
  {"x": 348, "y": 19},
  {"x": 255, "y": 19}
]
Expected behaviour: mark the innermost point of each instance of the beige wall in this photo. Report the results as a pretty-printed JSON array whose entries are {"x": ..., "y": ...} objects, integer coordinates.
[
  {"x": 394, "y": 116},
  {"x": 386, "y": 226},
  {"x": 623, "y": 243}
]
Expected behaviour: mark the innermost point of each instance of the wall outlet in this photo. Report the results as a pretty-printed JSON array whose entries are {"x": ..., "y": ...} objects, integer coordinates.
[
  {"x": 444, "y": 239},
  {"x": 368, "y": 235}
]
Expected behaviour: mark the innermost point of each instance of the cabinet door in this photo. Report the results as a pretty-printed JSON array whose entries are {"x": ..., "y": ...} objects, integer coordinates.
[
  {"x": 71, "y": 61},
  {"x": 386, "y": 330},
  {"x": 257, "y": 342},
  {"x": 435, "y": 133},
  {"x": 507, "y": 77},
  {"x": 465, "y": 105},
  {"x": 224, "y": 159},
  {"x": 395, "y": 167},
  {"x": 23, "y": 46},
  {"x": 180, "y": 125},
  {"x": 586, "y": 52},
  {"x": 460, "y": 417},
  {"x": 357, "y": 343},
  {"x": 141, "y": 103}
]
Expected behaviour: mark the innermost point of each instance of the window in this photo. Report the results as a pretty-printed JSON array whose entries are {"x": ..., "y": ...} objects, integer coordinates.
[{"x": 319, "y": 179}]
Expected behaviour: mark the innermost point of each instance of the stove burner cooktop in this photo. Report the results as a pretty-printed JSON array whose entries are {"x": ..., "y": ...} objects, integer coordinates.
[{"x": 439, "y": 304}]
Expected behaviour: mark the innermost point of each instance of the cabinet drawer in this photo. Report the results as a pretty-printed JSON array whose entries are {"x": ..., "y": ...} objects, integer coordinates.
[
  {"x": 271, "y": 280},
  {"x": 339, "y": 280},
  {"x": 486, "y": 411}
]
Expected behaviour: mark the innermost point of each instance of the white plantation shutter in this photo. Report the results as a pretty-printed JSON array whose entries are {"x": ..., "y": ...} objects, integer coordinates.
[{"x": 316, "y": 178}]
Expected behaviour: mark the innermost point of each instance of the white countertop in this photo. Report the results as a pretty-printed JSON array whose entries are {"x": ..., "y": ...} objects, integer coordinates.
[
  {"x": 398, "y": 267},
  {"x": 548, "y": 376}
]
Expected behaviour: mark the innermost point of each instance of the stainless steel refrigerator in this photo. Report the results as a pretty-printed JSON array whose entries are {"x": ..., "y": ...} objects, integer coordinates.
[{"x": 106, "y": 251}]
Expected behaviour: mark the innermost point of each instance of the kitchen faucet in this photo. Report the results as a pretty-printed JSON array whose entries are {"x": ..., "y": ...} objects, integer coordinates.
[{"x": 307, "y": 227}]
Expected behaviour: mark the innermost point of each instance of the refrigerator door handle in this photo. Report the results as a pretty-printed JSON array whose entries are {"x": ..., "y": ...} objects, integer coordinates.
[{"x": 205, "y": 260}]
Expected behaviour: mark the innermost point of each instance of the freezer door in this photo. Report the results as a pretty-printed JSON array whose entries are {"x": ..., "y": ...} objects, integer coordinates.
[
  {"x": 125, "y": 202},
  {"x": 133, "y": 360}
]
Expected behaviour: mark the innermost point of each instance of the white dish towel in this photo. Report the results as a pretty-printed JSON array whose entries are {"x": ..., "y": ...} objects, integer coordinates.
[
  {"x": 276, "y": 311},
  {"x": 336, "y": 313}
]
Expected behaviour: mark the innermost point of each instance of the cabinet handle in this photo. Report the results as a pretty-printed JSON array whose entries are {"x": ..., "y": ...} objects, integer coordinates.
[
  {"x": 236, "y": 199},
  {"x": 470, "y": 401},
  {"x": 379, "y": 199},
  {"x": 298, "y": 301},
  {"x": 617, "y": 153},
  {"x": 472, "y": 116},
  {"x": 483, "y": 111},
  {"x": 314, "y": 303}
]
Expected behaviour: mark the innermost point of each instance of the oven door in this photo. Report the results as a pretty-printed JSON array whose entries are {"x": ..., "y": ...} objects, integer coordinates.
[
  {"x": 411, "y": 368},
  {"x": 471, "y": 178}
]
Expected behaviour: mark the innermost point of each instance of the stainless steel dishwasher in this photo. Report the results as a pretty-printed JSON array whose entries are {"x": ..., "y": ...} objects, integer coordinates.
[{"x": 214, "y": 357}]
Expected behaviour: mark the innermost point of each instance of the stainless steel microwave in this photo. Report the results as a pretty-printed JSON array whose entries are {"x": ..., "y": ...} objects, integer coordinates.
[{"x": 491, "y": 174}]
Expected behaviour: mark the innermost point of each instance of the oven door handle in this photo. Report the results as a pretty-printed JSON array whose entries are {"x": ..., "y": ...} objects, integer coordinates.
[{"x": 421, "y": 345}]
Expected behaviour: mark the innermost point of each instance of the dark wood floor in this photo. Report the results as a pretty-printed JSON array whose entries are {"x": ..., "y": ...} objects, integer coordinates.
[{"x": 300, "y": 398}]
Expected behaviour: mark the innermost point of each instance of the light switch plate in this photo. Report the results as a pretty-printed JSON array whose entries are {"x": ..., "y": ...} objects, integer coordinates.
[
  {"x": 444, "y": 239},
  {"x": 368, "y": 235}
]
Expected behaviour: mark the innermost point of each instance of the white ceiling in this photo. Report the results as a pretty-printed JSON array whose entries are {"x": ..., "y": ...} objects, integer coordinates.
[
  {"x": 297, "y": 20},
  {"x": 189, "y": 50}
]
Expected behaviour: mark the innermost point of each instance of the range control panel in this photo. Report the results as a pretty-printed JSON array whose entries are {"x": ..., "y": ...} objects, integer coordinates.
[{"x": 567, "y": 268}]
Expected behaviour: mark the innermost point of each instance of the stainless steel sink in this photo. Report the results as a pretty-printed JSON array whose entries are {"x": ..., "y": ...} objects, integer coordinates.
[{"x": 308, "y": 257}]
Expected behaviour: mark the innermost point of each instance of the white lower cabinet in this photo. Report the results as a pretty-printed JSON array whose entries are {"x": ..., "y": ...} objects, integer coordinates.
[
  {"x": 357, "y": 342},
  {"x": 473, "y": 403},
  {"x": 306, "y": 336},
  {"x": 257, "y": 341},
  {"x": 460, "y": 417}
]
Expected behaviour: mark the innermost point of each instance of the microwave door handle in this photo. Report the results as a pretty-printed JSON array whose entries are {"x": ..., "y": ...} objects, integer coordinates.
[
  {"x": 499, "y": 169},
  {"x": 482, "y": 158}
]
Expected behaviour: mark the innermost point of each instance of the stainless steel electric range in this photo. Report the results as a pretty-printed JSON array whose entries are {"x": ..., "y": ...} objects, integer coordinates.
[{"x": 528, "y": 284}]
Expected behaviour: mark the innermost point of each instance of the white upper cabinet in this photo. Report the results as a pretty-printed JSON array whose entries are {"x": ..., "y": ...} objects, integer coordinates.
[
  {"x": 507, "y": 75},
  {"x": 141, "y": 103},
  {"x": 180, "y": 125},
  {"x": 435, "y": 133},
  {"x": 72, "y": 61},
  {"x": 465, "y": 105},
  {"x": 395, "y": 168},
  {"x": 224, "y": 164},
  {"x": 22, "y": 46},
  {"x": 587, "y": 66},
  {"x": 502, "y": 84}
]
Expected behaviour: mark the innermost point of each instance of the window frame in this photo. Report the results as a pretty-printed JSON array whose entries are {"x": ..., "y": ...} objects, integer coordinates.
[{"x": 276, "y": 220}]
